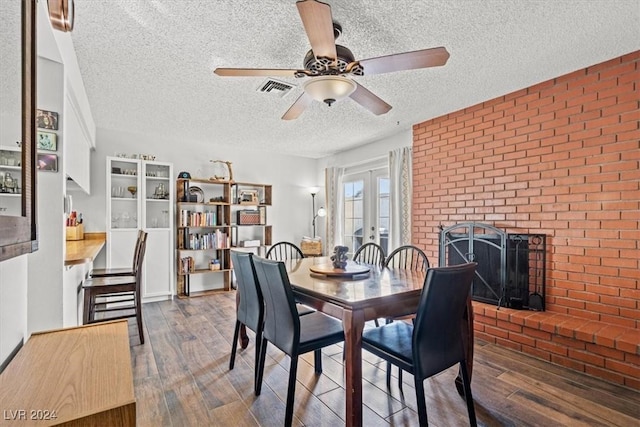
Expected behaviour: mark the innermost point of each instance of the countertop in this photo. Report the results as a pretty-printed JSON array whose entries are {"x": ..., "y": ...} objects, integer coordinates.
[{"x": 81, "y": 251}]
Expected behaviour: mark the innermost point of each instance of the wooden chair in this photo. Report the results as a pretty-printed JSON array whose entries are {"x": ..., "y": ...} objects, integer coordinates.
[
  {"x": 435, "y": 342},
  {"x": 119, "y": 295},
  {"x": 123, "y": 271},
  {"x": 282, "y": 251},
  {"x": 284, "y": 328},
  {"x": 370, "y": 253},
  {"x": 407, "y": 257}
]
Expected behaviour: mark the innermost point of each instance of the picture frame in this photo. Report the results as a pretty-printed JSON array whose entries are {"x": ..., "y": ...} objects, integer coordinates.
[
  {"x": 47, "y": 141},
  {"x": 248, "y": 197},
  {"x": 47, "y": 162},
  {"x": 47, "y": 119}
]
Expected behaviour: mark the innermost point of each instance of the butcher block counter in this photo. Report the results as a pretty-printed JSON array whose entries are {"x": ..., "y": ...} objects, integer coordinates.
[
  {"x": 86, "y": 250},
  {"x": 72, "y": 377}
]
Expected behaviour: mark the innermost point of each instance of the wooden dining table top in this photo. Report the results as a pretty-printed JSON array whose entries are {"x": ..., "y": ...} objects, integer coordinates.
[{"x": 359, "y": 291}]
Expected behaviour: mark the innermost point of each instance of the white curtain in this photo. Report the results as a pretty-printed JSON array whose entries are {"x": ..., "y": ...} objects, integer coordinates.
[
  {"x": 401, "y": 187},
  {"x": 335, "y": 208}
]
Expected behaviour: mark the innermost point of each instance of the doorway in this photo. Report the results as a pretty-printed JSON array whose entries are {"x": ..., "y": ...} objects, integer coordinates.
[{"x": 366, "y": 208}]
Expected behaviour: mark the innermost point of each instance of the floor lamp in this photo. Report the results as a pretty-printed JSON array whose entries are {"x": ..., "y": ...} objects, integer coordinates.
[{"x": 319, "y": 213}]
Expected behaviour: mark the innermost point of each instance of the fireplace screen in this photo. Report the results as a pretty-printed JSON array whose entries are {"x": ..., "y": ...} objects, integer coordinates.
[{"x": 511, "y": 267}]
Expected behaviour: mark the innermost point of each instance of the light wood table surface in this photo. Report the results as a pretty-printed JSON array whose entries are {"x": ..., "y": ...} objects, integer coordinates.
[
  {"x": 86, "y": 250},
  {"x": 71, "y": 377}
]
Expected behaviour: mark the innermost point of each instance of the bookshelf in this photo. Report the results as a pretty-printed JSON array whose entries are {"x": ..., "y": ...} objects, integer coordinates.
[
  {"x": 203, "y": 230},
  {"x": 250, "y": 228}
]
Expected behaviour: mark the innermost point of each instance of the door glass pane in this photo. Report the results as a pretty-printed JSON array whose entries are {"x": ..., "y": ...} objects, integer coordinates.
[
  {"x": 383, "y": 213},
  {"x": 353, "y": 213}
]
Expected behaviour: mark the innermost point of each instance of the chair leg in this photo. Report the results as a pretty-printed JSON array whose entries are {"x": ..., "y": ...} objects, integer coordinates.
[
  {"x": 87, "y": 307},
  {"x": 400, "y": 378},
  {"x": 388, "y": 375},
  {"x": 291, "y": 390},
  {"x": 263, "y": 353},
  {"x": 139, "y": 321},
  {"x": 258, "y": 346},
  {"x": 467, "y": 394},
  {"x": 234, "y": 346},
  {"x": 317, "y": 360},
  {"x": 420, "y": 401}
]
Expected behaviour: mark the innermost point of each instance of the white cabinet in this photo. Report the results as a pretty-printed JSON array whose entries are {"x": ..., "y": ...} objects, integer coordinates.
[
  {"x": 72, "y": 302},
  {"x": 140, "y": 196},
  {"x": 10, "y": 181},
  {"x": 78, "y": 144}
]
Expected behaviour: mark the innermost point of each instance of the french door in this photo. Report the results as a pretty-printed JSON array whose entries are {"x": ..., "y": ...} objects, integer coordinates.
[{"x": 366, "y": 208}]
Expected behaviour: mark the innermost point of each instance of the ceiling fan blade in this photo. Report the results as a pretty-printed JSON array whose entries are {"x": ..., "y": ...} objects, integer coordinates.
[
  {"x": 369, "y": 101},
  {"x": 252, "y": 72},
  {"x": 298, "y": 107},
  {"x": 425, "y": 58},
  {"x": 316, "y": 18}
]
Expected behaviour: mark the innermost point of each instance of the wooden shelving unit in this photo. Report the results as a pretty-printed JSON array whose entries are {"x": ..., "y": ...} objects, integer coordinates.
[
  {"x": 212, "y": 208},
  {"x": 241, "y": 201},
  {"x": 203, "y": 224}
]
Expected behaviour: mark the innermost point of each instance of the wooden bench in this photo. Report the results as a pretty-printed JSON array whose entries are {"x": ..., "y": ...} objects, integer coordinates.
[
  {"x": 71, "y": 377},
  {"x": 607, "y": 351}
]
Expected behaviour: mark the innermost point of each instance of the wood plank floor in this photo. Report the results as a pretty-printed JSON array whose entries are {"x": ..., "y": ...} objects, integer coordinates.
[{"x": 182, "y": 378}]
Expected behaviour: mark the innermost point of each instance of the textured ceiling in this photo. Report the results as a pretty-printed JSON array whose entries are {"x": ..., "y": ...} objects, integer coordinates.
[{"x": 148, "y": 64}]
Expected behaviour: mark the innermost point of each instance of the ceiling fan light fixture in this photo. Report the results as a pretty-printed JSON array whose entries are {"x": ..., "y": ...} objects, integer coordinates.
[{"x": 329, "y": 89}]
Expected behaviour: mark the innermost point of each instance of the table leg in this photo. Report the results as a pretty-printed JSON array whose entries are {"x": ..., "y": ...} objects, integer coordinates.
[
  {"x": 467, "y": 330},
  {"x": 353, "y": 323},
  {"x": 242, "y": 338}
]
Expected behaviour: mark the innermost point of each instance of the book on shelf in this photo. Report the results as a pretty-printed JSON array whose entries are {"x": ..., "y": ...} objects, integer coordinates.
[
  {"x": 198, "y": 219},
  {"x": 202, "y": 241},
  {"x": 263, "y": 215}
]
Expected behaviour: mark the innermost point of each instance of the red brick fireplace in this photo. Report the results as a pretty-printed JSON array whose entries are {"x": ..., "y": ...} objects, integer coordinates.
[{"x": 560, "y": 158}]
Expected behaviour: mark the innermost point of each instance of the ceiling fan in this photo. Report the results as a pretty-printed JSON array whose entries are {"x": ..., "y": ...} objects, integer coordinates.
[{"x": 327, "y": 64}]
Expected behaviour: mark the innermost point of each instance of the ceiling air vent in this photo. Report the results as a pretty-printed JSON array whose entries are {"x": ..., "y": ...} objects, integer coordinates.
[{"x": 275, "y": 87}]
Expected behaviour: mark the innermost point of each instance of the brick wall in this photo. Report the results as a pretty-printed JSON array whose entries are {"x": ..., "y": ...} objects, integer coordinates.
[{"x": 561, "y": 158}]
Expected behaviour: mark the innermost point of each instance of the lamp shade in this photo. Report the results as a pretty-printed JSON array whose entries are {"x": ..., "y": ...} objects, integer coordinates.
[{"x": 329, "y": 89}]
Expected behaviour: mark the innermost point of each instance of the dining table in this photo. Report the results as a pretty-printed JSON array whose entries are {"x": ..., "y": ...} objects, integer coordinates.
[{"x": 356, "y": 294}]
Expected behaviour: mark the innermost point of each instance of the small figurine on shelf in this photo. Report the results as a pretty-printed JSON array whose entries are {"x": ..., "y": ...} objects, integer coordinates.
[{"x": 339, "y": 257}]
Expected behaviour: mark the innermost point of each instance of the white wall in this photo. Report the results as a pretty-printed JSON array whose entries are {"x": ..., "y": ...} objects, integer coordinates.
[
  {"x": 46, "y": 264},
  {"x": 16, "y": 281},
  {"x": 290, "y": 176},
  {"x": 374, "y": 150},
  {"x": 13, "y": 304}
]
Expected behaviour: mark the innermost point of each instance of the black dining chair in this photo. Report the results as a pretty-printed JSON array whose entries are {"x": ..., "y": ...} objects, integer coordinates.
[
  {"x": 407, "y": 257},
  {"x": 250, "y": 309},
  {"x": 435, "y": 341},
  {"x": 282, "y": 251},
  {"x": 116, "y": 297},
  {"x": 284, "y": 328},
  {"x": 370, "y": 253},
  {"x": 250, "y": 305}
]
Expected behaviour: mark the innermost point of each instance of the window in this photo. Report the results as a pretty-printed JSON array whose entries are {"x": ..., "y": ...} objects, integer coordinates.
[{"x": 366, "y": 208}]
